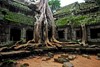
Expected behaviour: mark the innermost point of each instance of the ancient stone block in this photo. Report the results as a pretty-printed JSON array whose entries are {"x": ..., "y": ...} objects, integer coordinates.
[{"x": 67, "y": 64}]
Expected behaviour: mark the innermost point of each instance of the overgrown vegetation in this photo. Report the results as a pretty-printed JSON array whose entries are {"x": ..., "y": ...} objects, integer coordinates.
[
  {"x": 17, "y": 4},
  {"x": 86, "y": 7},
  {"x": 62, "y": 21},
  {"x": 65, "y": 9},
  {"x": 54, "y": 4},
  {"x": 16, "y": 17},
  {"x": 19, "y": 18},
  {"x": 78, "y": 20},
  {"x": 20, "y": 5},
  {"x": 81, "y": 19}
]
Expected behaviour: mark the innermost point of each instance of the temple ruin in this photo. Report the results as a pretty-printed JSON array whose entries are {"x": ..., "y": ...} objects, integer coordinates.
[{"x": 32, "y": 36}]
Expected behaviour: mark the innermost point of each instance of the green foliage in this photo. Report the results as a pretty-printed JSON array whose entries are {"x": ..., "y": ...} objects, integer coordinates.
[
  {"x": 75, "y": 20},
  {"x": 62, "y": 21},
  {"x": 1, "y": 14},
  {"x": 16, "y": 17},
  {"x": 90, "y": 18},
  {"x": 86, "y": 7},
  {"x": 19, "y": 18},
  {"x": 78, "y": 20},
  {"x": 54, "y": 4},
  {"x": 65, "y": 9},
  {"x": 81, "y": 19}
]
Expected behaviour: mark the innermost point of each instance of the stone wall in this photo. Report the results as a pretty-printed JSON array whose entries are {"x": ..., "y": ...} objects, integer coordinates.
[
  {"x": 93, "y": 33},
  {"x": 77, "y": 33},
  {"x": 8, "y": 31},
  {"x": 65, "y": 32},
  {"x": 3, "y": 33},
  {"x": 96, "y": 35}
]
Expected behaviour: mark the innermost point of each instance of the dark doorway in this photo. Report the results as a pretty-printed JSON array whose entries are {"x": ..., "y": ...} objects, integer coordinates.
[
  {"x": 78, "y": 34},
  {"x": 95, "y": 33},
  {"x": 61, "y": 34},
  {"x": 29, "y": 35},
  {"x": 15, "y": 34},
  {"x": 50, "y": 33}
]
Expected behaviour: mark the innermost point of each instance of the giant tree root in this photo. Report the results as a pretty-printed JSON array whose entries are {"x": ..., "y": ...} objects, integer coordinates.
[
  {"x": 53, "y": 43},
  {"x": 31, "y": 41},
  {"x": 49, "y": 44},
  {"x": 58, "y": 42}
]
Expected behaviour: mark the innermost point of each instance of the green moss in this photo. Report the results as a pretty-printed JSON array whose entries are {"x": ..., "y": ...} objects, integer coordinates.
[
  {"x": 86, "y": 7},
  {"x": 1, "y": 14},
  {"x": 18, "y": 18},
  {"x": 90, "y": 18},
  {"x": 65, "y": 9},
  {"x": 20, "y": 5},
  {"x": 62, "y": 21},
  {"x": 17, "y": 4},
  {"x": 77, "y": 7},
  {"x": 78, "y": 20}
]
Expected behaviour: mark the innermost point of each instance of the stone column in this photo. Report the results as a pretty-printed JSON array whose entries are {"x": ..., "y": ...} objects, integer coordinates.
[
  {"x": 74, "y": 34},
  {"x": 56, "y": 34},
  {"x": 23, "y": 34},
  {"x": 7, "y": 34},
  {"x": 66, "y": 34},
  {"x": 89, "y": 34}
]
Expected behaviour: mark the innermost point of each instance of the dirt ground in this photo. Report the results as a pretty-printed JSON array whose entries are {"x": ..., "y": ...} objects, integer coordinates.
[{"x": 78, "y": 62}]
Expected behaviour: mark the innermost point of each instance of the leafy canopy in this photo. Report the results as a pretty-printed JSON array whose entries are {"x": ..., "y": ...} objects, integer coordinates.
[{"x": 54, "y": 4}]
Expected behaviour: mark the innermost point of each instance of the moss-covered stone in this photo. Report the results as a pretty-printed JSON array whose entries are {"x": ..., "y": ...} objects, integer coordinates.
[
  {"x": 14, "y": 17},
  {"x": 19, "y": 18},
  {"x": 79, "y": 19}
]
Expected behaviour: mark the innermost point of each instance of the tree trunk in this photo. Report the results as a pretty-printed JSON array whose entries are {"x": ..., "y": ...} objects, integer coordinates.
[
  {"x": 72, "y": 32},
  {"x": 44, "y": 21},
  {"x": 84, "y": 38}
]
